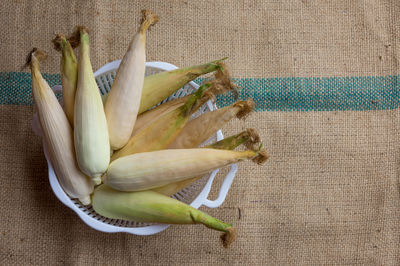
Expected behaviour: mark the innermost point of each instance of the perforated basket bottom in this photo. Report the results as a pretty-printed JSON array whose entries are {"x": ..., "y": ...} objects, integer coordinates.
[{"x": 188, "y": 194}]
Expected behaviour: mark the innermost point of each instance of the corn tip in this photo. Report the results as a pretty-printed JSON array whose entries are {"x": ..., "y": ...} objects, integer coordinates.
[
  {"x": 96, "y": 180},
  {"x": 223, "y": 82},
  {"x": 246, "y": 107},
  {"x": 82, "y": 29},
  {"x": 39, "y": 55},
  {"x": 58, "y": 40},
  {"x": 85, "y": 200},
  {"x": 75, "y": 38},
  {"x": 254, "y": 138},
  {"x": 148, "y": 19},
  {"x": 261, "y": 157},
  {"x": 228, "y": 237}
]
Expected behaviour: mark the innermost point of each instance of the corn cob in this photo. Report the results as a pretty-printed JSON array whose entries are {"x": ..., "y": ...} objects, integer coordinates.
[
  {"x": 161, "y": 132},
  {"x": 69, "y": 74},
  {"x": 147, "y": 170},
  {"x": 57, "y": 134},
  {"x": 203, "y": 127},
  {"x": 159, "y": 86},
  {"x": 219, "y": 85},
  {"x": 152, "y": 207},
  {"x": 92, "y": 144},
  {"x": 123, "y": 100},
  {"x": 249, "y": 137}
]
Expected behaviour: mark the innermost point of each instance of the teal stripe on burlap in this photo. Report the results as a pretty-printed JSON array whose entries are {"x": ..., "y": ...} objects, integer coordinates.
[
  {"x": 318, "y": 94},
  {"x": 270, "y": 94}
]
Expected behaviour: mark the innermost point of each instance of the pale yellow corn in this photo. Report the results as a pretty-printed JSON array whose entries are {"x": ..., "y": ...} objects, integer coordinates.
[
  {"x": 58, "y": 136},
  {"x": 123, "y": 100},
  {"x": 92, "y": 144},
  {"x": 142, "y": 171},
  {"x": 249, "y": 137}
]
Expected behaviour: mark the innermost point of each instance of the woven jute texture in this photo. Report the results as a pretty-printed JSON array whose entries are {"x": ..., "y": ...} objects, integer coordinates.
[
  {"x": 261, "y": 38},
  {"x": 330, "y": 192}
]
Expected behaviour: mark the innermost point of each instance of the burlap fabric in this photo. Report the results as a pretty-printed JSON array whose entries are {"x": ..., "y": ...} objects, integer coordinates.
[{"x": 330, "y": 193}]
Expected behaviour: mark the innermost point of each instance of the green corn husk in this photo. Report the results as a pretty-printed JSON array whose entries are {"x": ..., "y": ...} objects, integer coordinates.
[
  {"x": 159, "y": 86},
  {"x": 249, "y": 137},
  {"x": 69, "y": 74},
  {"x": 163, "y": 131},
  {"x": 152, "y": 207}
]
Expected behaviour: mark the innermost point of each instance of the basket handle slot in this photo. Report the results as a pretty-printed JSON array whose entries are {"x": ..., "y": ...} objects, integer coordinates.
[{"x": 223, "y": 190}]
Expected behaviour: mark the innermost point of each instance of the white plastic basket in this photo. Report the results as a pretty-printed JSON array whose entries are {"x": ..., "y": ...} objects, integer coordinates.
[{"x": 195, "y": 195}]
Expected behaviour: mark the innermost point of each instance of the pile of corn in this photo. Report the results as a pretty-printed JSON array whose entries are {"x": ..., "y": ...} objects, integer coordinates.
[{"x": 123, "y": 158}]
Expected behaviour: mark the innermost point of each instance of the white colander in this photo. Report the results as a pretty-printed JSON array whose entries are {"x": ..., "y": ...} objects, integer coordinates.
[{"x": 195, "y": 195}]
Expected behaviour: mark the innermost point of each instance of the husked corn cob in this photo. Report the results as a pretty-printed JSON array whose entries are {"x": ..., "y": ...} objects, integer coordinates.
[
  {"x": 69, "y": 74},
  {"x": 123, "y": 100},
  {"x": 147, "y": 170},
  {"x": 203, "y": 127},
  {"x": 92, "y": 144},
  {"x": 161, "y": 132},
  {"x": 249, "y": 137},
  {"x": 159, "y": 86},
  {"x": 152, "y": 207},
  {"x": 58, "y": 135}
]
